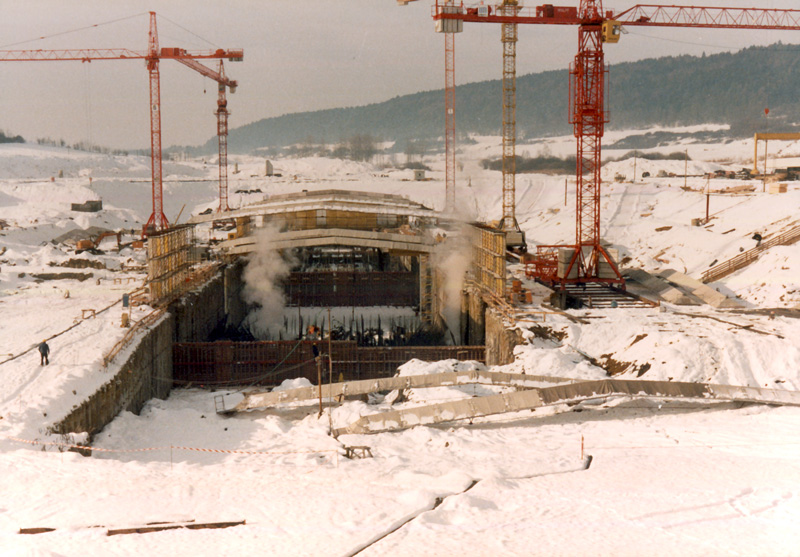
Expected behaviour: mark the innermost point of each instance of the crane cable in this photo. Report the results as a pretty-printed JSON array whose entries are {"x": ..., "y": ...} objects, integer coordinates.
[
  {"x": 74, "y": 30},
  {"x": 188, "y": 30}
]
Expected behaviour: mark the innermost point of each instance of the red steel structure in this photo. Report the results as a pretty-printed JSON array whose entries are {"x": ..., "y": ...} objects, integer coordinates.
[
  {"x": 222, "y": 114},
  {"x": 449, "y": 122},
  {"x": 587, "y": 91},
  {"x": 508, "y": 36},
  {"x": 152, "y": 57}
]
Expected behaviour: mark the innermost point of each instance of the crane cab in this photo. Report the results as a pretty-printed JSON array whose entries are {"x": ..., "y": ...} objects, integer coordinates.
[{"x": 611, "y": 31}]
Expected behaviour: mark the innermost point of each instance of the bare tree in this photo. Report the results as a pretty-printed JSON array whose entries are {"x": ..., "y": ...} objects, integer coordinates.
[{"x": 362, "y": 147}]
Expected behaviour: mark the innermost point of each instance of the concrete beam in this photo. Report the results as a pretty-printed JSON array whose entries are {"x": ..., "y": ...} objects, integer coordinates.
[
  {"x": 264, "y": 399},
  {"x": 331, "y": 200},
  {"x": 563, "y": 394},
  {"x": 336, "y": 236},
  {"x": 701, "y": 290},
  {"x": 661, "y": 288}
]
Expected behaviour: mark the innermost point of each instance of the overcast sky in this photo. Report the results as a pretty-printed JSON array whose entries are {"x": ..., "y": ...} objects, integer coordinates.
[{"x": 299, "y": 56}]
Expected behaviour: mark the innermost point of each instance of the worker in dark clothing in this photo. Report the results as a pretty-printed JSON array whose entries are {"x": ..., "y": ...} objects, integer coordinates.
[{"x": 44, "y": 351}]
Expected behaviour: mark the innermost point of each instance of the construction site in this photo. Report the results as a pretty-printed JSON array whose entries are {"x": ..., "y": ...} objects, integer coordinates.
[{"x": 424, "y": 354}]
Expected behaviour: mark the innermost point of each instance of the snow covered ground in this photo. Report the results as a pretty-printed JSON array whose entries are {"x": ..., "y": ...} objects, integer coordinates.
[{"x": 667, "y": 478}]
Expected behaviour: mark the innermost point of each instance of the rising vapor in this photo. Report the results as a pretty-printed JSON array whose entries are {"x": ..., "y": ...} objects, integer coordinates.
[
  {"x": 262, "y": 276},
  {"x": 451, "y": 260}
]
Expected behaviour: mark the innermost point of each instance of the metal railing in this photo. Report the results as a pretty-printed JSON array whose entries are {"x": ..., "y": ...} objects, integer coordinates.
[{"x": 744, "y": 259}]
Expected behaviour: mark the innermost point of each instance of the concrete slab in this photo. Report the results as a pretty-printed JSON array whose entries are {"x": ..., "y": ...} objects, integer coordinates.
[
  {"x": 662, "y": 289},
  {"x": 704, "y": 292}
]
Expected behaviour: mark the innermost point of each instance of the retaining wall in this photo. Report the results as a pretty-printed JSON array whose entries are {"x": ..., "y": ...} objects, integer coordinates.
[
  {"x": 500, "y": 341},
  {"x": 199, "y": 312},
  {"x": 147, "y": 371},
  {"x": 483, "y": 326}
]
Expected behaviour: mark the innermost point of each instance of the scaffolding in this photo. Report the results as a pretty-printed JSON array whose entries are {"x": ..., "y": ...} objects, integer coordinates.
[
  {"x": 169, "y": 261},
  {"x": 489, "y": 259}
]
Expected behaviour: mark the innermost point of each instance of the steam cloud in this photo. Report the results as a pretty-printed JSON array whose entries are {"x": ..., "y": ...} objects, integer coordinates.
[
  {"x": 262, "y": 285},
  {"x": 452, "y": 260}
]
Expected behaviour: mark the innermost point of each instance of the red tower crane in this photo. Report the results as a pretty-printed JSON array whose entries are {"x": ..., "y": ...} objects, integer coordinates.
[
  {"x": 152, "y": 57},
  {"x": 222, "y": 121},
  {"x": 588, "y": 260}
]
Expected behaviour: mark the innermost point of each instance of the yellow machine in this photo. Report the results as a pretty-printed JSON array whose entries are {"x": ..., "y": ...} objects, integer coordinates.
[
  {"x": 766, "y": 137},
  {"x": 611, "y": 31}
]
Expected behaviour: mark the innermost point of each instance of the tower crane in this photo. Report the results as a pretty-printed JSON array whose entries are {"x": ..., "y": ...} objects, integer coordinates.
[
  {"x": 152, "y": 58},
  {"x": 223, "y": 83},
  {"x": 588, "y": 260}
]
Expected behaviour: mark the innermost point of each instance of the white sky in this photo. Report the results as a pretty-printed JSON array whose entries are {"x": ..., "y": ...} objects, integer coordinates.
[{"x": 299, "y": 56}]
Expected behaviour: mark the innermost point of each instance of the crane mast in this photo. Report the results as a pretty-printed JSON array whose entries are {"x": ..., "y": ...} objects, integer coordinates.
[
  {"x": 449, "y": 28},
  {"x": 508, "y": 35},
  {"x": 157, "y": 220},
  {"x": 588, "y": 117},
  {"x": 222, "y": 140}
]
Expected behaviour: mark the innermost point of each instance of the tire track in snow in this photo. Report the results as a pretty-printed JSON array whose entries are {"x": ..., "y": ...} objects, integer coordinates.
[
  {"x": 628, "y": 207},
  {"x": 438, "y": 501},
  {"x": 586, "y": 462}
]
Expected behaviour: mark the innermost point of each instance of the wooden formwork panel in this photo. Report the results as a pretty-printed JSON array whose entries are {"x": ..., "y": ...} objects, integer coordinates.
[
  {"x": 169, "y": 260},
  {"x": 271, "y": 362},
  {"x": 489, "y": 259}
]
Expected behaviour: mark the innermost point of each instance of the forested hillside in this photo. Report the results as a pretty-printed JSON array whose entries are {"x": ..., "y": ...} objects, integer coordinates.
[{"x": 727, "y": 88}]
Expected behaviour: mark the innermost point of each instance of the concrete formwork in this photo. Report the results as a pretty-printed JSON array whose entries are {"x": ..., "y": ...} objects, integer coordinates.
[
  {"x": 199, "y": 312},
  {"x": 235, "y": 308},
  {"x": 271, "y": 362},
  {"x": 476, "y": 319}
]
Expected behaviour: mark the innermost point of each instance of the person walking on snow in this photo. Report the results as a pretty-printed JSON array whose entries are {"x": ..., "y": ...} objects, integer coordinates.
[{"x": 44, "y": 351}]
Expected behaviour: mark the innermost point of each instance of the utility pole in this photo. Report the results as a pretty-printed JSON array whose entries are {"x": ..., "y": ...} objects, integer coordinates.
[
  {"x": 330, "y": 347},
  {"x": 330, "y": 373},
  {"x": 685, "y": 167},
  {"x": 319, "y": 382}
]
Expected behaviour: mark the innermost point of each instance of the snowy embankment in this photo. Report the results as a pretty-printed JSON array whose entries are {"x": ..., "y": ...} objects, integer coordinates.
[{"x": 667, "y": 477}]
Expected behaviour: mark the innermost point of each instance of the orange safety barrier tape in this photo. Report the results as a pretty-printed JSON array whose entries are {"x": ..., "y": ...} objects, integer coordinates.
[{"x": 197, "y": 449}]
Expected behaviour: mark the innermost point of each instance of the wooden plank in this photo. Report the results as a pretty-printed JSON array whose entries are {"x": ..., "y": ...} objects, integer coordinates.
[
  {"x": 35, "y": 530},
  {"x": 160, "y": 528}
]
